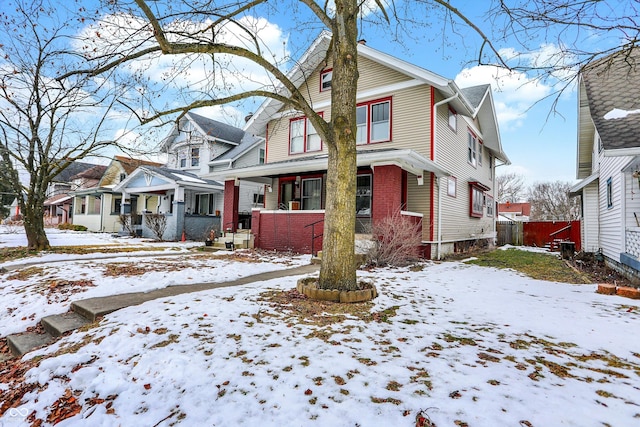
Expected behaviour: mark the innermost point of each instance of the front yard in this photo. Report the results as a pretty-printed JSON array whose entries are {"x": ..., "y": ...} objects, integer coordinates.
[{"x": 456, "y": 343}]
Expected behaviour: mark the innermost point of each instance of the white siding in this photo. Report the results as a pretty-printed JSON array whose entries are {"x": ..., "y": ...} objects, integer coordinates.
[
  {"x": 451, "y": 153},
  {"x": 590, "y": 224},
  {"x": 611, "y": 218}
]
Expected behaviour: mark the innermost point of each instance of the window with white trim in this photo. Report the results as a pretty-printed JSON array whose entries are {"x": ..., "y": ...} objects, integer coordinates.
[
  {"x": 451, "y": 186},
  {"x": 303, "y": 137},
  {"x": 195, "y": 156},
  {"x": 472, "y": 157},
  {"x": 477, "y": 202},
  {"x": 490, "y": 166},
  {"x": 325, "y": 80},
  {"x": 609, "y": 193},
  {"x": 490, "y": 205},
  {"x": 480, "y": 152},
  {"x": 261, "y": 156},
  {"x": 453, "y": 120}
]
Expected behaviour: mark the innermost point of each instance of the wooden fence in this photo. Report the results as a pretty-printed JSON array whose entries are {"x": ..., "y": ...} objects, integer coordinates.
[
  {"x": 538, "y": 233},
  {"x": 510, "y": 233}
]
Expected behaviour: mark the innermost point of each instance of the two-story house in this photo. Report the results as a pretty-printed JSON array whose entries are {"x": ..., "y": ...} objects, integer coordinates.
[
  {"x": 426, "y": 149},
  {"x": 608, "y": 159},
  {"x": 196, "y": 146}
]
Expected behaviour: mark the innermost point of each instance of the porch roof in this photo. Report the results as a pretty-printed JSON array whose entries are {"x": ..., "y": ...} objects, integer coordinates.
[
  {"x": 153, "y": 179},
  {"x": 408, "y": 160},
  {"x": 577, "y": 189}
]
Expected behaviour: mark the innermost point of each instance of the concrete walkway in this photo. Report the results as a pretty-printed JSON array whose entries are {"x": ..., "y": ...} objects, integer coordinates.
[{"x": 88, "y": 310}]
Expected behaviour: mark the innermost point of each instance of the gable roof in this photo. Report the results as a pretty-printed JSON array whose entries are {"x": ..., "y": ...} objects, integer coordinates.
[
  {"x": 169, "y": 178},
  {"x": 248, "y": 142},
  {"x": 129, "y": 164},
  {"x": 95, "y": 172},
  {"x": 70, "y": 171},
  {"x": 211, "y": 130},
  {"x": 611, "y": 86},
  {"x": 472, "y": 101}
]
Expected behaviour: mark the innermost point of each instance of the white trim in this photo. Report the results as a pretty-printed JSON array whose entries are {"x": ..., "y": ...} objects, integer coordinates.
[
  {"x": 408, "y": 213},
  {"x": 621, "y": 152}
]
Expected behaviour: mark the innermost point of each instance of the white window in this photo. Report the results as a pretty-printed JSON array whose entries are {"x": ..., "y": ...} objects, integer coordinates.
[
  {"x": 195, "y": 157},
  {"x": 451, "y": 186},
  {"x": 380, "y": 129},
  {"x": 325, "y": 80},
  {"x": 312, "y": 193},
  {"x": 490, "y": 205},
  {"x": 373, "y": 122},
  {"x": 453, "y": 120},
  {"x": 261, "y": 156},
  {"x": 303, "y": 137},
  {"x": 361, "y": 124},
  {"x": 609, "y": 193},
  {"x": 472, "y": 149},
  {"x": 480, "y": 152},
  {"x": 490, "y": 167}
]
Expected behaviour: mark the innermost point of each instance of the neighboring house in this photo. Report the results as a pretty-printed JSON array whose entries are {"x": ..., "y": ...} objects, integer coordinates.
[
  {"x": 514, "y": 211},
  {"x": 98, "y": 208},
  {"x": 153, "y": 190},
  {"x": 427, "y": 150},
  {"x": 59, "y": 208},
  {"x": 608, "y": 159},
  {"x": 202, "y": 146}
]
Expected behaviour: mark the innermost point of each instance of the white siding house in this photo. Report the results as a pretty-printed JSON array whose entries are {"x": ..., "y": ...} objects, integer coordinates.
[{"x": 608, "y": 159}]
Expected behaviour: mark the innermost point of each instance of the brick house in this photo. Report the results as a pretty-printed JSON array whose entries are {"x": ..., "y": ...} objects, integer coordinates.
[{"x": 427, "y": 150}]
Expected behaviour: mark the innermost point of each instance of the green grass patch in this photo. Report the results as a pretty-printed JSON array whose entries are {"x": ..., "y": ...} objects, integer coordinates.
[{"x": 535, "y": 265}]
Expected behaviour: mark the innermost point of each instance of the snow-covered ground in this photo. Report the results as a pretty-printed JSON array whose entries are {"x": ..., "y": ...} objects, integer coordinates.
[{"x": 462, "y": 343}]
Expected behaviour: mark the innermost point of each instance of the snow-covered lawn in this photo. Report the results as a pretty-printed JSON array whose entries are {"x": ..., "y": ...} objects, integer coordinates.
[
  {"x": 466, "y": 345},
  {"x": 48, "y": 283}
]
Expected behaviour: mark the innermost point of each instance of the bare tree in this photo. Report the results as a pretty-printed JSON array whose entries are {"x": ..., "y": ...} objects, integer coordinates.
[
  {"x": 195, "y": 31},
  {"x": 510, "y": 187},
  {"x": 550, "y": 201},
  {"x": 45, "y": 124}
]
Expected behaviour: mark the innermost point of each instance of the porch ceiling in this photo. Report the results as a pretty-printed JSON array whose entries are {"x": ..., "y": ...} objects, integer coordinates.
[{"x": 408, "y": 160}]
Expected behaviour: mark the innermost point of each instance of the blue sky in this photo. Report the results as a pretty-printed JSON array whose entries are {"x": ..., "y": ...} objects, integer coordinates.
[{"x": 538, "y": 136}]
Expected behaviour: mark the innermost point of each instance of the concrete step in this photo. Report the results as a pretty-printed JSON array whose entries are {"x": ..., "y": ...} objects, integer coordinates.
[
  {"x": 23, "y": 343},
  {"x": 58, "y": 324}
]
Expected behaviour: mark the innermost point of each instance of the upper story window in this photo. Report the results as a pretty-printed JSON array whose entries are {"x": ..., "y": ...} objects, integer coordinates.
[
  {"x": 195, "y": 156},
  {"x": 303, "y": 137},
  {"x": 325, "y": 80},
  {"x": 373, "y": 122},
  {"x": 453, "y": 119},
  {"x": 609, "y": 193},
  {"x": 261, "y": 156},
  {"x": 472, "y": 150}
]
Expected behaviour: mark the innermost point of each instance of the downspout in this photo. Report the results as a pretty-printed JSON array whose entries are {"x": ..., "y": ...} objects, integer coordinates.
[{"x": 433, "y": 158}]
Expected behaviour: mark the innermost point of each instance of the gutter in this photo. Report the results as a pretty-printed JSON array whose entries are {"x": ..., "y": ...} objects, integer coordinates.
[{"x": 434, "y": 145}]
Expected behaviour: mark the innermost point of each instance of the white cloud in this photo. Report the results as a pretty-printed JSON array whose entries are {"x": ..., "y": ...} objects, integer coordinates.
[
  {"x": 514, "y": 92},
  {"x": 183, "y": 78}
]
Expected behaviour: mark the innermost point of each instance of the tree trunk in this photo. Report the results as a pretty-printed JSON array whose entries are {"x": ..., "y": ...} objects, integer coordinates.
[
  {"x": 338, "y": 269},
  {"x": 33, "y": 217}
]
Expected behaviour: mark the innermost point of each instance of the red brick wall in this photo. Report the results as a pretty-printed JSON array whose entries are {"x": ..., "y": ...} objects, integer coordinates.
[
  {"x": 231, "y": 198},
  {"x": 285, "y": 230},
  {"x": 387, "y": 191}
]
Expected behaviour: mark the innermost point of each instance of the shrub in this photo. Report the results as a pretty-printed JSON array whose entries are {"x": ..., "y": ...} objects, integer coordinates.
[
  {"x": 396, "y": 241},
  {"x": 157, "y": 223},
  {"x": 73, "y": 227},
  {"x": 127, "y": 224}
]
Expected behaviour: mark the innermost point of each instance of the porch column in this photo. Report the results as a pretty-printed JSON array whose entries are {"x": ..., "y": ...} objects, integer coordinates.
[
  {"x": 387, "y": 192},
  {"x": 231, "y": 199}
]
